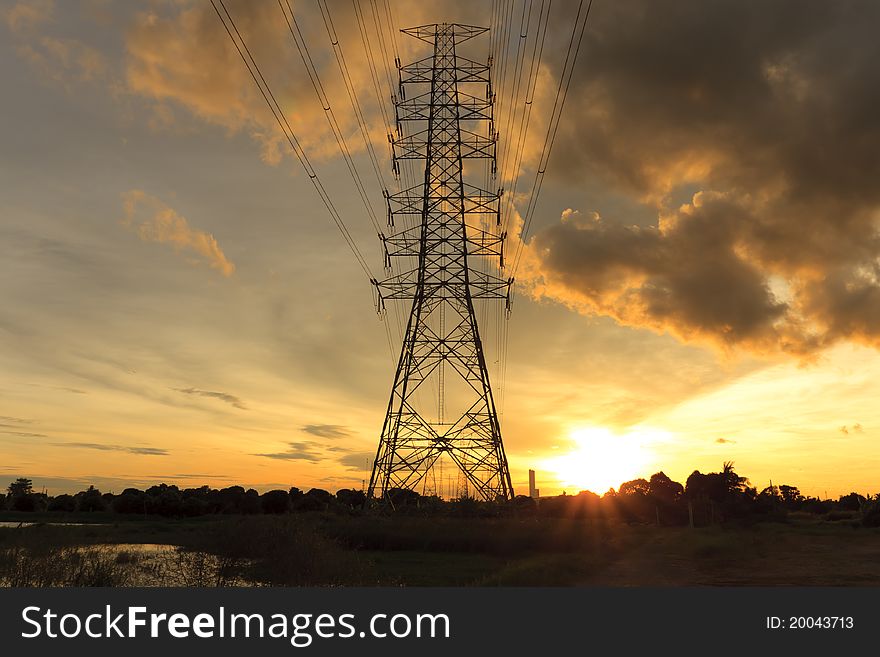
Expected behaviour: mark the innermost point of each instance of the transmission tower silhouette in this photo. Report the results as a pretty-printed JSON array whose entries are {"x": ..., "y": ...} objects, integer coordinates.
[{"x": 441, "y": 404}]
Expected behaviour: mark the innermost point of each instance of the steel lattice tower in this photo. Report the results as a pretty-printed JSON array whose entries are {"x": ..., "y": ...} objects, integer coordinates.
[{"x": 452, "y": 223}]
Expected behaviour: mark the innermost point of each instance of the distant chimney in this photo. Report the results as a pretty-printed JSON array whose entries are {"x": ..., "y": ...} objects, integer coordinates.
[{"x": 534, "y": 493}]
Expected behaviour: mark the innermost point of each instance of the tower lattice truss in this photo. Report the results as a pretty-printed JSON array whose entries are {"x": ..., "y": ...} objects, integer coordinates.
[{"x": 441, "y": 405}]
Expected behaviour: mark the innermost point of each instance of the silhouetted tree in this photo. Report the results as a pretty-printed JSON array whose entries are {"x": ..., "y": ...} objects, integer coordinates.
[
  {"x": 27, "y": 503},
  {"x": 634, "y": 487},
  {"x": 317, "y": 499},
  {"x": 666, "y": 496},
  {"x": 250, "y": 503},
  {"x": 791, "y": 496},
  {"x": 733, "y": 483},
  {"x": 771, "y": 493},
  {"x": 633, "y": 502},
  {"x": 229, "y": 500},
  {"x": 851, "y": 502},
  {"x": 702, "y": 487},
  {"x": 401, "y": 497},
  {"x": 871, "y": 512},
  {"x": 194, "y": 506},
  {"x": 525, "y": 504},
  {"x": 90, "y": 500},
  {"x": 275, "y": 501},
  {"x": 20, "y": 495},
  {"x": 164, "y": 500},
  {"x": 664, "y": 490},
  {"x": 353, "y": 499},
  {"x": 63, "y": 502},
  {"x": 20, "y": 486},
  {"x": 131, "y": 500}
]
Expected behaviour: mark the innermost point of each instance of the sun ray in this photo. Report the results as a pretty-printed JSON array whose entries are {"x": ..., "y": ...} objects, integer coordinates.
[{"x": 600, "y": 459}]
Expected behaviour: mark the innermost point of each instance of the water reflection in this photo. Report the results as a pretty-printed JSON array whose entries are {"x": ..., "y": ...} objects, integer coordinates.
[{"x": 119, "y": 564}]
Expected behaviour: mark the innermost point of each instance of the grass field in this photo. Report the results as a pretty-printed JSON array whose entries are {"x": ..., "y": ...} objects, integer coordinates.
[{"x": 323, "y": 550}]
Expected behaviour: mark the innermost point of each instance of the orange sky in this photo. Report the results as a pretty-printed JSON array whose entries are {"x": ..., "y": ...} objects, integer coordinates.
[{"x": 700, "y": 283}]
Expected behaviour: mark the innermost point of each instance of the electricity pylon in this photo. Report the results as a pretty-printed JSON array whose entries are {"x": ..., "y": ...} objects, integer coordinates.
[{"x": 441, "y": 402}]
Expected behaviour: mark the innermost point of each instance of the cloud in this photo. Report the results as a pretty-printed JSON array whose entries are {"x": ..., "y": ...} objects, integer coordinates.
[
  {"x": 23, "y": 434},
  {"x": 16, "y": 420},
  {"x": 744, "y": 113},
  {"x": 154, "y": 221},
  {"x": 75, "y": 391},
  {"x": 326, "y": 430},
  {"x": 724, "y": 441},
  {"x": 298, "y": 451},
  {"x": 306, "y": 450},
  {"x": 223, "y": 396},
  {"x": 179, "y": 56},
  {"x": 146, "y": 451},
  {"x": 856, "y": 428},
  {"x": 24, "y": 16},
  {"x": 683, "y": 277},
  {"x": 64, "y": 60},
  {"x": 357, "y": 460},
  {"x": 193, "y": 475}
]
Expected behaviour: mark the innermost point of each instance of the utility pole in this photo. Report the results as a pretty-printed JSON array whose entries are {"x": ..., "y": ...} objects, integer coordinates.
[{"x": 441, "y": 404}]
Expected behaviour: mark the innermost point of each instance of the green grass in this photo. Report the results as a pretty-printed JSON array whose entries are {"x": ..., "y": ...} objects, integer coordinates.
[
  {"x": 412, "y": 568},
  {"x": 325, "y": 549}
]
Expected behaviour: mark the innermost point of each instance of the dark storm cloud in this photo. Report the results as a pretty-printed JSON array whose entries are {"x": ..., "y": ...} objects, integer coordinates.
[
  {"x": 327, "y": 430},
  {"x": 686, "y": 280},
  {"x": 772, "y": 110},
  {"x": 223, "y": 396}
]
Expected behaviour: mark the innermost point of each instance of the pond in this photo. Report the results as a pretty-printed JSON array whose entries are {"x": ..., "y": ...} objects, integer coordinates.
[
  {"x": 16, "y": 523},
  {"x": 119, "y": 564}
]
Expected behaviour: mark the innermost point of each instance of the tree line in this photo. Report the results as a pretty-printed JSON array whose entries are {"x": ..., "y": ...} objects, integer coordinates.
[
  {"x": 703, "y": 499},
  {"x": 172, "y": 501}
]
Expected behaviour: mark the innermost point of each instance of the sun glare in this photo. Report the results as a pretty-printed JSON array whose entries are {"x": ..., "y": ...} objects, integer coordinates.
[{"x": 601, "y": 459}]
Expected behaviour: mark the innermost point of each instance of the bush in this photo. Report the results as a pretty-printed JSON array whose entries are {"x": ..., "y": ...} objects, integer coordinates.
[
  {"x": 130, "y": 503},
  {"x": 871, "y": 513},
  {"x": 317, "y": 499},
  {"x": 281, "y": 551},
  {"x": 64, "y": 503},
  {"x": 275, "y": 501},
  {"x": 353, "y": 499},
  {"x": 24, "y": 503}
]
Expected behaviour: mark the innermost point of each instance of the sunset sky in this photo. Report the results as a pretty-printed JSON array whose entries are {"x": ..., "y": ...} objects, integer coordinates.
[{"x": 700, "y": 284}]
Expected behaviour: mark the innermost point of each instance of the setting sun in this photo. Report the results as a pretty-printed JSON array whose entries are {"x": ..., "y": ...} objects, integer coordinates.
[{"x": 600, "y": 459}]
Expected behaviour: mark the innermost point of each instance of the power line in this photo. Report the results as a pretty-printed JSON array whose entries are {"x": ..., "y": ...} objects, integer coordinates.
[
  {"x": 525, "y": 118},
  {"x": 370, "y": 60},
  {"x": 503, "y": 52},
  {"x": 510, "y": 117},
  {"x": 362, "y": 125},
  {"x": 349, "y": 86},
  {"x": 266, "y": 91},
  {"x": 386, "y": 58},
  {"x": 391, "y": 27},
  {"x": 553, "y": 126},
  {"x": 305, "y": 55}
]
